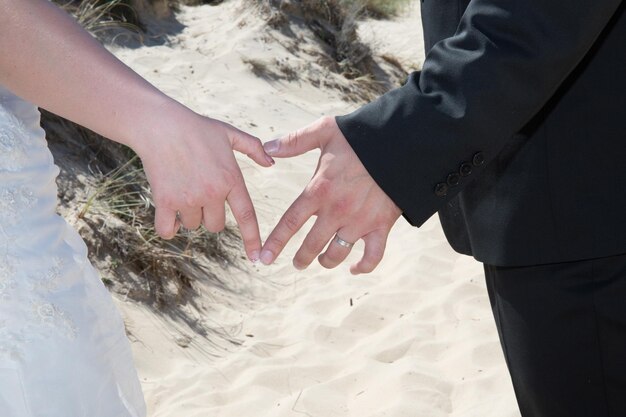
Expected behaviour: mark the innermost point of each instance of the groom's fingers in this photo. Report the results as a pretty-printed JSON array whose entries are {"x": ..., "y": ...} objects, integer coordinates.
[
  {"x": 243, "y": 210},
  {"x": 303, "y": 140},
  {"x": 292, "y": 221},
  {"x": 315, "y": 242},
  {"x": 338, "y": 251},
  {"x": 375, "y": 244}
]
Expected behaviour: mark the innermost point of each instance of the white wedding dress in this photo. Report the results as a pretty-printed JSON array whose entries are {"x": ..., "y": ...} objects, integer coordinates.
[{"x": 63, "y": 348}]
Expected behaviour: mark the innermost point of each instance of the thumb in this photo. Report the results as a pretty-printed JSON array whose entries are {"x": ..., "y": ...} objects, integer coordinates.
[
  {"x": 300, "y": 141},
  {"x": 252, "y": 147}
]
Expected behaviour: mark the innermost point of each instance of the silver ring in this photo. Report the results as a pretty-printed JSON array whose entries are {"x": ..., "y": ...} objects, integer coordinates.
[{"x": 342, "y": 242}]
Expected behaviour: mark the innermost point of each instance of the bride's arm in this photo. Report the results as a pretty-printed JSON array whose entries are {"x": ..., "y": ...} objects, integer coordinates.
[{"x": 48, "y": 59}]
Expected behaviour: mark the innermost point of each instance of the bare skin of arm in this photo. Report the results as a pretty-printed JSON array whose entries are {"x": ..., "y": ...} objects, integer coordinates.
[{"x": 48, "y": 59}]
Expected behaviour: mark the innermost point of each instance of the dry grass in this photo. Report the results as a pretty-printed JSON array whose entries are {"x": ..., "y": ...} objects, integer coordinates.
[
  {"x": 275, "y": 69},
  {"x": 334, "y": 24},
  {"x": 259, "y": 68},
  {"x": 100, "y": 16},
  {"x": 383, "y": 8}
]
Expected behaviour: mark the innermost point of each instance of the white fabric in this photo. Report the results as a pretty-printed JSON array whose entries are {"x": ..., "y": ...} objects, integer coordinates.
[{"x": 63, "y": 348}]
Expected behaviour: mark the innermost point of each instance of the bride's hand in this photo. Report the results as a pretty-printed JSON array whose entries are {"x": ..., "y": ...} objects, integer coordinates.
[{"x": 190, "y": 165}]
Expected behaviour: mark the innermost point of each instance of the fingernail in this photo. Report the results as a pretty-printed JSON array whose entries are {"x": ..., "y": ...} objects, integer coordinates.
[
  {"x": 255, "y": 257},
  {"x": 298, "y": 266},
  {"x": 272, "y": 147},
  {"x": 269, "y": 159},
  {"x": 266, "y": 257}
]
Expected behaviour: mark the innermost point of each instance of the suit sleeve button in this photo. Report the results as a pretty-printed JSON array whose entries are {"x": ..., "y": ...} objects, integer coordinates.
[
  {"x": 478, "y": 159},
  {"x": 441, "y": 189},
  {"x": 465, "y": 169},
  {"x": 453, "y": 179}
]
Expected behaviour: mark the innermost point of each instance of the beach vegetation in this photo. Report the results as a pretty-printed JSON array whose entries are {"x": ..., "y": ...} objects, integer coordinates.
[
  {"x": 98, "y": 16},
  {"x": 383, "y": 8},
  {"x": 334, "y": 24}
]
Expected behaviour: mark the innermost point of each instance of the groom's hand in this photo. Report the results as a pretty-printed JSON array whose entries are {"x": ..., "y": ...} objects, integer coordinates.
[{"x": 348, "y": 204}]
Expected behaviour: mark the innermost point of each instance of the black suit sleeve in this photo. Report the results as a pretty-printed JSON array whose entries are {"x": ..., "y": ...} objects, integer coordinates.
[{"x": 476, "y": 90}]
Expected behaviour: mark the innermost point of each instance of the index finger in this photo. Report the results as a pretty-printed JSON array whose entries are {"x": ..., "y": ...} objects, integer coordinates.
[
  {"x": 304, "y": 140},
  {"x": 292, "y": 221},
  {"x": 243, "y": 210}
]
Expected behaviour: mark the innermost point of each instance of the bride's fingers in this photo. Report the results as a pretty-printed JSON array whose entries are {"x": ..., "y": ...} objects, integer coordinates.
[
  {"x": 251, "y": 146},
  {"x": 190, "y": 218},
  {"x": 165, "y": 222},
  {"x": 214, "y": 217},
  {"x": 245, "y": 215}
]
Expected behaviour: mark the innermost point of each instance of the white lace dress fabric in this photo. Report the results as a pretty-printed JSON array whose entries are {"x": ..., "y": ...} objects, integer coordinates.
[{"x": 63, "y": 348}]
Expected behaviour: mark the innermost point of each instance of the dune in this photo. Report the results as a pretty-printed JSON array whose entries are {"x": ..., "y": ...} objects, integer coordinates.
[{"x": 414, "y": 338}]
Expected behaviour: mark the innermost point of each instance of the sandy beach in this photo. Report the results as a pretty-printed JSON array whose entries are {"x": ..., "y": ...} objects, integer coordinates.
[{"x": 414, "y": 338}]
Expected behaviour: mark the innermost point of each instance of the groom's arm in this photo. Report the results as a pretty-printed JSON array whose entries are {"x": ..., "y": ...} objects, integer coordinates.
[
  {"x": 476, "y": 90},
  {"x": 419, "y": 145}
]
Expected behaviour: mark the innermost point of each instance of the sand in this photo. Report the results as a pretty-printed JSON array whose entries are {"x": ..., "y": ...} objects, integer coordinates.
[{"x": 414, "y": 338}]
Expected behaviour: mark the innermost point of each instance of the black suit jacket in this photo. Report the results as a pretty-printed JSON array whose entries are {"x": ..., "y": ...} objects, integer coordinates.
[{"x": 514, "y": 130}]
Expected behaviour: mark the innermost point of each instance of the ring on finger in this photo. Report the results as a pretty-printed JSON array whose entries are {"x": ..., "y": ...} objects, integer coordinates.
[{"x": 343, "y": 243}]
